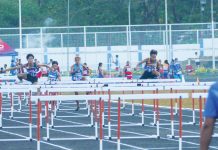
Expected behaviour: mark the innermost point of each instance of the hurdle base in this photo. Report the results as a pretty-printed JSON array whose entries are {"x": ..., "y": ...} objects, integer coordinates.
[
  {"x": 193, "y": 123},
  {"x": 171, "y": 136},
  {"x": 134, "y": 137},
  {"x": 11, "y": 117},
  {"x": 30, "y": 139},
  {"x": 143, "y": 125},
  {"x": 46, "y": 139},
  {"x": 153, "y": 124}
]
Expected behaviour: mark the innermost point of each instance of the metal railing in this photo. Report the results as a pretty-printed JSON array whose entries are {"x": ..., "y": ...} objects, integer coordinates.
[{"x": 119, "y": 35}]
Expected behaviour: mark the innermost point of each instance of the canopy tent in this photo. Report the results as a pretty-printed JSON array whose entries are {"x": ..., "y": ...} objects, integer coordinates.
[{"x": 6, "y": 50}]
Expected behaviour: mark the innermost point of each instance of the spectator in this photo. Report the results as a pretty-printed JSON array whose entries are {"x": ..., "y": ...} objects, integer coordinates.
[
  {"x": 166, "y": 69},
  {"x": 19, "y": 70},
  {"x": 197, "y": 60},
  {"x": 171, "y": 72},
  {"x": 117, "y": 63},
  {"x": 127, "y": 70},
  {"x": 13, "y": 64},
  {"x": 177, "y": 73},
  {"x": 211, "y": 114},
  {"x": 100, "y": 70},
  {"x": 5, "y": 66}
]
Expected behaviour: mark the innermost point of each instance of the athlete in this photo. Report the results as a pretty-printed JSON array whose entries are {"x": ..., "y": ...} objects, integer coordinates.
[
  {"x": 32, "y": 70},
  {"x": 77, "y": 74},
  {"x": 152, "y": 66},
  {"x": 53, "y": 73}
]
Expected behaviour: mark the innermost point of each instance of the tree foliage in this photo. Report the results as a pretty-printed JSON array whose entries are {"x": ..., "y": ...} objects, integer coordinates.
[{"x": 102, "y": 12}]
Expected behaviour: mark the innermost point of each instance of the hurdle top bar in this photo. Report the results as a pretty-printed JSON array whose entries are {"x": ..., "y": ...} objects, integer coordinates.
[
  {"x": 25, "y": 90},
  {"x": 198, "y": 95},
  {"x": 139, "y": 88},
  {"x": 186, "y": 87},
  {"x": 113, "y": 97}
]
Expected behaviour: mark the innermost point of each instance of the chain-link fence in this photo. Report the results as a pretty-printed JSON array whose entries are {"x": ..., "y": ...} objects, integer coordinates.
[{"x": 101, "y": 43}]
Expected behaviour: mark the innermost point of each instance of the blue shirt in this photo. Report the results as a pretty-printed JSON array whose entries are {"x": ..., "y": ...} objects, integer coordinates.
[
  {"x": 211, "y": 106},
  {"x": 53, "y": 75},
  {"x": 77, "y": 72}
]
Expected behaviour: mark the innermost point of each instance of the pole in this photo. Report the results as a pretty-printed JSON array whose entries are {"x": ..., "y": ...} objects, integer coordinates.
[
  {"x": 212, "y": 30},
  {"x": 168, "y": 53},
  {"x": 68, "y": 24},
  {"x": 20, "y": 25},
  {"x": 130, "y": 39}
]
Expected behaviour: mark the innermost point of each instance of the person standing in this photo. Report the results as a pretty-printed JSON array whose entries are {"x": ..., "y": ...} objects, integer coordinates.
[
  {"x": 177, "y": 72},
  {"x": 166, "y": 69},
  {"x": 117, "y": 63},
  {"x": 13, "y": 64},
  {"x": 127, "y": 70},
  {"x": 100, "y": 70},
  {"x": 197, "y": 60},
  {"x": 211, "y": 115}
]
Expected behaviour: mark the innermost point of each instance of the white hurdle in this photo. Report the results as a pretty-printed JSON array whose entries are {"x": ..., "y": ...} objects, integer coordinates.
[
  {"x": 46, "y": 99},
  {"x": 180, "y": 96}
]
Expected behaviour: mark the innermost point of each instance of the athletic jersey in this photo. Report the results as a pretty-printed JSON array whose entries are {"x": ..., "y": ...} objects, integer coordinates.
[
  {"x": 33, "y": 71},
  {"x": 128, "y": 72},
  {"x": 177, "y": 68},
  {"x": 149, "y": 66},
  {"x": 85, "y": 71},
  {"x": 166, "y": 67},
  {"x": 77, "y": 72},
  {"x": 53, "y": 75}
]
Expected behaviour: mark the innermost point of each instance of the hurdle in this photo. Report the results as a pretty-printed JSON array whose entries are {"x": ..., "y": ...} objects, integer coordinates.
[
  {"x": 200, "y": 97},
  {"x": 67, "y": 90},
  {"x": 40, "y": 99},
  {"x": 24, "y": 138},
  {"x": 186, "y": 88},
  {"x": 158, "y": 97}
]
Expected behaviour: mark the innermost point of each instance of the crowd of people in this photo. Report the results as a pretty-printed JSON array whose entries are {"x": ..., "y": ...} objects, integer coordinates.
[{"x": 153, "y": 69}]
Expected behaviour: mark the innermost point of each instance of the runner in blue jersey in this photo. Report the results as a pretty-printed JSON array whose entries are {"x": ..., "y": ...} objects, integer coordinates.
[
  {"x": 77, "y": 74},
  {"x": 53, "y": 74}
]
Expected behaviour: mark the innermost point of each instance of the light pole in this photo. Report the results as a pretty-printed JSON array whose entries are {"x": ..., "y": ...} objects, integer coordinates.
[
  {"x": 169, "y": 52},
  {"x": 20, "y": 25},
  {"x": 203, "y": 3},
  {"x": 212, "y": 30},
  {"x": 130, "y": 36},
  {"x": 68, "y": 24}
]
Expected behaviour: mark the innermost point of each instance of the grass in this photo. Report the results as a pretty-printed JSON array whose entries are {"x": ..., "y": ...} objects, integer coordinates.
[{"x": 186, "y": 103}]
